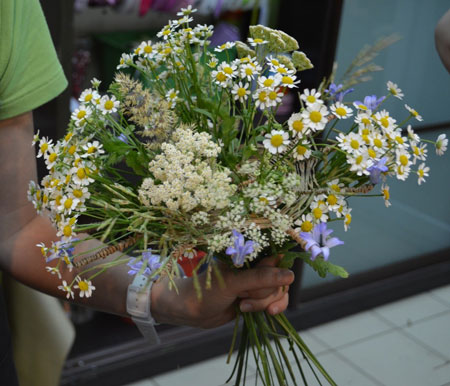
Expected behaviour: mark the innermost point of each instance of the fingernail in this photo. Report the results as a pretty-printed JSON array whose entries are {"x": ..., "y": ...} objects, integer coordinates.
[
  {"x": 286, "y": 273},
  {"x": 246, "y": 307},
  {"x": 275, "y": 310}
]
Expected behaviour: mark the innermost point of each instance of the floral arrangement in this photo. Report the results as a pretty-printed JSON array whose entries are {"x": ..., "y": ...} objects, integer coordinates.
[{"x": 184, "y": 157}]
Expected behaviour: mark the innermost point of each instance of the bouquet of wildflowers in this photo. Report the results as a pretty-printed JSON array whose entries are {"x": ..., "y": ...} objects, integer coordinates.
[{"x": 184, "y": 158}]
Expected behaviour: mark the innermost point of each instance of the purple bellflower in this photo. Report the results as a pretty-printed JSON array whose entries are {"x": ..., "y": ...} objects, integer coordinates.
[
  {"x": 240, "y": 249},
  {"x": 335, "y": 91},
  {"x": 318, "y": 242},
  {"x": 370, "y": 101},
  {"x": 376, "y": 170},
  {"x": 122, "y": 137},
  {"x": 62, "y": 249},
  {"x": 152, "y": 264}
]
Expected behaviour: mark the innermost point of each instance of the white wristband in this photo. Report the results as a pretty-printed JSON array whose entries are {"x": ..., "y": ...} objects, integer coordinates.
[{"x": 138, "y": 306}]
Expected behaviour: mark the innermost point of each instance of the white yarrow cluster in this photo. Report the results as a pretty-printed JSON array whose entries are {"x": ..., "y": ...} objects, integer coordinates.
[{"x": 186, "y": 175}]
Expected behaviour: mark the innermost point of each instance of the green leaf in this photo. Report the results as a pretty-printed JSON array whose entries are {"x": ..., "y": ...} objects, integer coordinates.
[
  {"x": 204, "y": 112},
  {"x": 288, "y": 258},
  {"x": 137, "y": 162},
  {"x": 323, "y": 267}
]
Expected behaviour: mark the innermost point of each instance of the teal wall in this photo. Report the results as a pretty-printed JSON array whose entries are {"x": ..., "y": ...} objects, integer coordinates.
[{"x": 418, "y": 222}]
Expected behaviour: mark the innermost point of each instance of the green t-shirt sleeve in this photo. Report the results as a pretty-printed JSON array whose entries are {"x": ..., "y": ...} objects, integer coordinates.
[{"x": 30, "y": 72}]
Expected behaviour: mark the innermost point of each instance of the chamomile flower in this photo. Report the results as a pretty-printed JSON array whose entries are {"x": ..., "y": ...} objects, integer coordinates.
[
  {"x": 108, "y": 104},
  {"x": 229, "y": 69},
  {"x": 402, "y": 172},
  {"x": 85, "y": 286},
  {"x": 256, "y": 41},
  {"x": 332, "y": 202},
  {"x": 335, "y": 185},
  {"x": 79, "y": 192},
  {"x": 45, "y": 145},
  {"x": 224, "y": 46},
  {"x": 315, "y": 116},
  {"x": 414, "y": 113},
  {"x": 364, "y": 120},
  {"x": 213, "y": 62},
  {"x": 306, "y": 223},
  {"x": 412, "y": 136},
  {"x": 403, "y": 158},
  {"x": 66, "y": 229},
  {"x": 172, "y": 97},
  {"x": 221, "y": 79},
  {"x": 341, "y": 111},
  {"x": 311, "y": 97},
  {"x": 81, "y": 175},
  {"x": 66, "y": 288},
  {"x": 283, "y": 70},
  {"x": 186, "y": 11},
  {"x": 419, "y": 152},
  {"x": 359, "y": 163},
  {"x": 51, "y": 157},
  {"x": 124, "y": 61},
  {"x": 289, "y": 81},
  {"x": 276, "y": 141},
  {"x": 249, "y": 71},
  {"x": 89, "y": 96},
  {"x": 81, "y": 114},
  {"x": 147, "y": 50},
  {"x": 347, "y": 218},
  {"x": 261, "y": 97},
  {"x": 67, "y": 205},
  {"x": 269, "y": 82},
  {"x": 35, "y": 138},
  {"x": 274, "y": 97},
  {"x": 441, "y": 144},
  {"x": 422, "y": 172},
  {"x": 301, "y": 152},
  {"x": 352, "y": 142},
  {"x": 386, "y": 122},
  {"x": 297, "y": 126},
  {"x": 165, "y": 32},
  {"x": 53, "y": 271},
  {"x": 386, "y": 195},
  {"x": 95, "y": 83},
  {"x": 394, "y": 90},
  {"x": 92, "y": 149},
  {"x": 240, "y": 92},
  {"x": 319, "y": 210}
]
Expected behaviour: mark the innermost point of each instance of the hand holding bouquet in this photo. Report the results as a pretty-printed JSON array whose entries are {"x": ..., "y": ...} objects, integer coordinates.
[{"x": 185, "y": 158}]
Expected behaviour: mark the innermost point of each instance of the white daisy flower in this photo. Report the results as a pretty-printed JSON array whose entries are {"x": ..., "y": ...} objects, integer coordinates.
[
  {"x": 311, "y": 96},
  {"x": 269, "y": 82},
  {"x": 53, "y": 271},
  {"x": 213, "y": 62},
  {"x": 240, "y": 92},
  {"x": 283, "y": 70},
  {"x": 341, "y": 111},
  {"x": 403, "y": 158},
  {"x": 274, "y": 97},
  {"x": 261, "y": 97},
  {"x": 66, "y": 288},
  {"x": 186, "y": 11},
  {"x": 301, "y": 152},
  {"x": 412, "y": 136},
  {"x": 80, "y": 175},
  {"x": 419, "y": 152},
  {"x": 51, "y": 157},
  {"x": 276, "y": 141},
  {"x": 289, "y": 81},
  {"x": 364, "y": 120},
  {"x": 319, "y": 210},
  {"x": 95, "y": 83},
  {"x": 414, "y": 113},
  {"x": 359, "y": 163},
  {"x": 124, "y": 61},
  {"x": 441, "y": 144},
  {"x": 81, "y": 114},
  {"x": 249, "y": 71},
  {"x": 315, "y": 116},
  {"x": 296, "y": 125},
  {"x": 225, "y": 46},
  {"x": 402, "y": 172},
  {"x": 335, "y": 185},
  {"x": 306, "y": 223},
  {"x": 92, "y": 149},
  {"x": 172, "y": 97},
  {"x": 85, "y": 287},
  {"x": 256, "y": 42},
  {"x": 394, "y": 90},
  {"x": 89, "y": 96},
  {"x": 221, "y": 79},
  {"x": 386, "y": 194},
  {"x": 108, "y": 104},
  {"x": 229, "y": 69},
  {"x": 45, "y": 146},
  {"x": 347, "y": 218},
  {"x": 385, "y": 121},
  {"x": 422, "y": 172}
]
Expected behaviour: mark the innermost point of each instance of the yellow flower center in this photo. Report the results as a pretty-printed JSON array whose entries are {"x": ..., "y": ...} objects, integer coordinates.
[
  {"x": 384, "y": 122},
  {"x": 281, "y": 70},
  {"x": 268, "y": 82},
  {"x": 262, "y": 96},
  {"x": 386, "y": 194},
  {"x": 77, "y": 193},
  {"x": 273, "y": 95},
  {"x": 276, "y": 140},
  {"x": 81, "y": 173},
  {"x": 377, "y": 142},
  {"x": 109, "y": 105},
  {"x": 359, "y": 159},
  {"x": 315, "y": 116},
  {"x": 287, "y": 80},
  {"x": 366, "y": 139},
  {"x": 416, "y": 150},
  {"x": 248, "y": 71},
  {"x": 372, "y": 153},
  {"x": 354, "y": 144},
  {"x": 172, "y": 95},
  {"x": 241, "y": 91},
  {"x": 332, "y": 199},
  {"x": 221, "y": 77},
  {"x": 399, "y": 139},
  {"x": 258, "y": 40},
  {"x": 81, "y": 114},
  {"x": 72, "y": 149},
  {"x": 336, "y": 188},
  {"x": 68, "y": 136},
  {"x": 83, "y": 285},
  {"x": 44, "y": 147},
  {"x": 88, "y": 97},
  {"x": 301, "y": 150},
  {"x": 362, "y": 107},
  {"x": 297, "y": 126},
  {"x": 264, "y": 200},
  {"x": 403, "y": 160},
  {"x": 67, "y": 230},
  {"x": 228, "y": 70},
  {"x": 92, "y": 149},
  {"x": 275, "y": 62},
  {"x": 52, "y": 157},
  {"x": 306, "y": 226},
  {"x": 421, "y": 172},
  {"x": 45, "y": 199},
  {"x": 68, "y": 203},
  {"x": 341, "y": 111},
  {"x": 148, "y": 49},
  {"x": 365, "y": 121},
  {"x": 348, "y": 219},
  {"x": 311, "y": 98},
  {"x": 414, "y": 112},
  {"x": 166, "y": 32},
  {"x": 317, "y": 213}
]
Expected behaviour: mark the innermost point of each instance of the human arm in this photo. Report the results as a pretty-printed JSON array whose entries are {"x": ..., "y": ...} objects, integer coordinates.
[
  {"x": 21, "y": 229},
  {"x": 442, "y": 39}
]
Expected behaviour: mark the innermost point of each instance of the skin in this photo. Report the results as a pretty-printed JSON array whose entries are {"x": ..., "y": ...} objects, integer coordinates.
[
  {"x": 442, "y": 39},
  {"x": 262, "y": 288}
]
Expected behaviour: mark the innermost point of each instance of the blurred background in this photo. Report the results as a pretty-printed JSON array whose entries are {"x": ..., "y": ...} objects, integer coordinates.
[{"x": 390, "y": 253}]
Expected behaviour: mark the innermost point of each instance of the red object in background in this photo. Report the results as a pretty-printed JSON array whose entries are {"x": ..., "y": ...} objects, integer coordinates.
[
  {"x": 188, "y": 264},
  {"x": 145, "y": 6}
]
